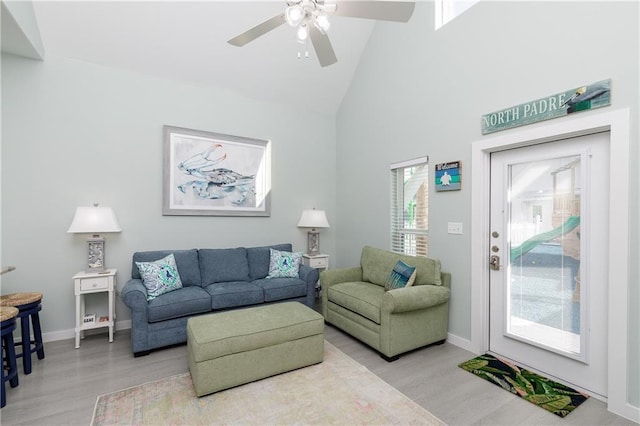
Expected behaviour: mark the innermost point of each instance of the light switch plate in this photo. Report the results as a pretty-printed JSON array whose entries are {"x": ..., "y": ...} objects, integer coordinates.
[{"x": 454, "y": 227}]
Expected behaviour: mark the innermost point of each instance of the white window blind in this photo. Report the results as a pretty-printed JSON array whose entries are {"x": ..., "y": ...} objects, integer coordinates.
[{"x": 410, "y": 206}]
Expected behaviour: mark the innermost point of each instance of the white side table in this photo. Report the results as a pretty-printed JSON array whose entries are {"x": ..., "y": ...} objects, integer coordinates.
[
  {"x": 94, "y": 282},
  {"x": 319, "y": 261}
]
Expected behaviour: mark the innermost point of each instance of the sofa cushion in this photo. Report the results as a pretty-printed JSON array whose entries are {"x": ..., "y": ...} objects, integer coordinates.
[
  {"x": 284, "y": 264},
  {"x": 183, "y": 302},
  {"x": 401, "y": 276},
  {"x": 186, "y": 261},
  {"x": 377, "y": 265},
  {"x": 359, "y": 297},
  {"x": 259, "y": 259},
  {"x": 282, "y": 288},
  {"x": 223, "y": 265},
  {"x": 233, "y": 294},
  {"x": 160, "y": 276}
]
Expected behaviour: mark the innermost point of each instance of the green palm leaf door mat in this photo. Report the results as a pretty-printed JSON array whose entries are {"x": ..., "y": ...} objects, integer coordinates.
[{"x": 552, "y": 396}]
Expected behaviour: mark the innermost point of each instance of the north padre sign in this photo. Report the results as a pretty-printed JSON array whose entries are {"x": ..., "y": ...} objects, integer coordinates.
[{"x": 582, "y": 98}]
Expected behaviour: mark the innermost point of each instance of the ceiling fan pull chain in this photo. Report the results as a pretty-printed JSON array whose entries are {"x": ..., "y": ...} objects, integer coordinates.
[{"x": 306, "y": 50}]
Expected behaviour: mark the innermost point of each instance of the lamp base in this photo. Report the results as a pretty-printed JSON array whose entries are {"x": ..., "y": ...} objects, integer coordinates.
[
  {"x": 95, "y": 258},
  {"x": 313, "y": 243}
]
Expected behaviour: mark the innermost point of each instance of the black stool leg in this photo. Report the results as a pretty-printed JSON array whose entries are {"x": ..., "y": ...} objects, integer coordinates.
[
  {"x": 3, "y": 396},
  {"x": 11, "y": 371},
  {"x": 12, "y": 361},
  {"x": 37, "y": 335},
  {"x": 26, "y": 344}
]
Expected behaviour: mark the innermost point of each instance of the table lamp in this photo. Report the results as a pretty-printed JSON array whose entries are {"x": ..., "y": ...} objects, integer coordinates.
[
  {"x": 313, "y": 219},
  {"x": 94, "y": 220}
]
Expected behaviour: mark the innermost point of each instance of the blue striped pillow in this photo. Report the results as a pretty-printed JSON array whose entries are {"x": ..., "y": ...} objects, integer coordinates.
[{"x": 401, "y": 276}]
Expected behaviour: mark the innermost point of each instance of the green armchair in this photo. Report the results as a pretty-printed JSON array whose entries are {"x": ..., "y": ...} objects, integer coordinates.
[{"x": 395, "y": 321}]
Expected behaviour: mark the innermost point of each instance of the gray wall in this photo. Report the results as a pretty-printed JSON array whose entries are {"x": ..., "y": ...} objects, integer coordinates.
[
  {"x": 74, "y": 133},
  {"x": 421, "y": 92}
]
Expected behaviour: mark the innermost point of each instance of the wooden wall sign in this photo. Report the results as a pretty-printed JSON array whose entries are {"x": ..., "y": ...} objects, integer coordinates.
[
  {"x": 582, "y": 98},
  {"x": 448, "y": 176}
]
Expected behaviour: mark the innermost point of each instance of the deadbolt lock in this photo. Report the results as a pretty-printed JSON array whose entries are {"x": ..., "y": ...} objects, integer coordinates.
[
  {"x": 495, "y": 249},
  {"x": 494, "y": 262}
]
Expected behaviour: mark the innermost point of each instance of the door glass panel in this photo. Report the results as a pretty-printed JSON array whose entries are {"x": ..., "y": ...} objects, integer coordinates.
[{"x": 543, "y": 296}]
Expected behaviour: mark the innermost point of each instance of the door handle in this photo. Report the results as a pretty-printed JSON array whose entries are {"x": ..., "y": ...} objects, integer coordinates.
[{"x": 494, "y": 262}]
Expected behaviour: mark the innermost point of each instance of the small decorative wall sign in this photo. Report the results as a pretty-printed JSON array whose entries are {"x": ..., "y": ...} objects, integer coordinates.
[
  {"x": 582, "y": 98},
  {"x": 214, "y": 174},
  {"x": 448, "y": 177}
]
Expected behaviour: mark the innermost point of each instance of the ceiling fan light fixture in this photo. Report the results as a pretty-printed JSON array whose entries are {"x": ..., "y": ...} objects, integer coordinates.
[
  {"x": 302, "y": 33},
  {"x": 321, "y": 21},
  {"x": 294, "y": 15}
]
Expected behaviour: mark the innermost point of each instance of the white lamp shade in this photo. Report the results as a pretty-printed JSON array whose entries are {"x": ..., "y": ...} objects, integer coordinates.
[
  {"x": 94, "y": 220},
  {"x": 313, "y": 219}
]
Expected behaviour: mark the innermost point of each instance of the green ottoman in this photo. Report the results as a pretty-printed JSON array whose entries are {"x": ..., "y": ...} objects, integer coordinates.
[{"x": 232, "y": 348}]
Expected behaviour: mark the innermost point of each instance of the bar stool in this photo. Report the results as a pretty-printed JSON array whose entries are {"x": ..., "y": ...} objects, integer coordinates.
[
  {"x": 28, "y": 305},
  {"x": 8, "y": 316}
]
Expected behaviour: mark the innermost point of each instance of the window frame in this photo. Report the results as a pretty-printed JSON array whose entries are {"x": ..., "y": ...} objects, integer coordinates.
[{"x": 404, "y": 239}]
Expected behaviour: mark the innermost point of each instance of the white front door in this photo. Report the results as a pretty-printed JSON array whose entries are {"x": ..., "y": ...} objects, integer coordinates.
[{"x": 549, "y": 247}]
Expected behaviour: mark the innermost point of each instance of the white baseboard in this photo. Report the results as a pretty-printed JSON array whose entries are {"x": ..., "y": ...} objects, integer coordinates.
[
  {"x": 71, "y": 334},
  {"x": 628, "y": 411},
  {"x": 460, "y": 342}
]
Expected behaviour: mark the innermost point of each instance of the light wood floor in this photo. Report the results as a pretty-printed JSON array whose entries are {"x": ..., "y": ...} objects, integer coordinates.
[{"x": 63, "y": 387}]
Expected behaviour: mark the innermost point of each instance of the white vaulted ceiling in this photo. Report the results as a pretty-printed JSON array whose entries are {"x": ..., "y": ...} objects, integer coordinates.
[{"x": 187, "y": 42}]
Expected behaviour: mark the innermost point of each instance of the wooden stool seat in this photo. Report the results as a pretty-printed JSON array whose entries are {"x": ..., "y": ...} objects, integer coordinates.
[
  {"x": 8, "y": 316},
  {"x": 17, "y": 299},
  {"x": 28, "y": 305},
  {"x": 8, "y": 312}
]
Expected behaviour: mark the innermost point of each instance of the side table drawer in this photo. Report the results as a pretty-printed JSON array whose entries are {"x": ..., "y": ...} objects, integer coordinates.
[
  {"x": 94, "y": 284},
  {"x": 321, "y": 262}
]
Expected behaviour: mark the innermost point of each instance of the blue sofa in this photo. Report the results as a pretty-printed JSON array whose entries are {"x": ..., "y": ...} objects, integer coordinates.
[{"x": 213, "y": 280}]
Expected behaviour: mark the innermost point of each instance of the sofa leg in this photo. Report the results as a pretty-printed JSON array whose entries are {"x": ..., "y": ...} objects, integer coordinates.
[
  {"x": 390, "y": 358},
  {"x": 440, "y": 342},
  {"x": 141, "y": 353}
]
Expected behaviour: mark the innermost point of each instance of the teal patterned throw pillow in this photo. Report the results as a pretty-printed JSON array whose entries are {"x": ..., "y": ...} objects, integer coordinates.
[
  {"x": 160, "y": 277},
  {"x": 284, "y": 264},
  {"x": 401, "y": 276}
]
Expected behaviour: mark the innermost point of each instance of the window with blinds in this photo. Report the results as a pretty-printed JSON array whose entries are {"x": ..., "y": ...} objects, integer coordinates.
[{"x": 410, "y": 207}]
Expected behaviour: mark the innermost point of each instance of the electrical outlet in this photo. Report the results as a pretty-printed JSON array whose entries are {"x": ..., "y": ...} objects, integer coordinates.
[{"x": 454, "y": 227}]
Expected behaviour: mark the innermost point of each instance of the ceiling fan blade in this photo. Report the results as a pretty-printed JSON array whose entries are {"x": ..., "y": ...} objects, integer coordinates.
[
  {"x": 398, "y": 11},
  {"x": 258, "y": 30},
  {"x": 323, "y": 47}
]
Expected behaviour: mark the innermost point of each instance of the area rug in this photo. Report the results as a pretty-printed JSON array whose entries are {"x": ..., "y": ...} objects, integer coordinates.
[
  {"x": 336, "y": 391},
  {"x": 548, "y": 394}
]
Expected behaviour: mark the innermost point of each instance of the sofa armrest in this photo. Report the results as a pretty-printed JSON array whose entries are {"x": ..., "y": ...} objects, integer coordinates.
[
  {"x": 308, "y": 274},
  {"x": 134, "y": 295},
  {"x": 330, "y": 277},
  {"x": 414, "y": 298},
  {"x": 446, "y": 279}
]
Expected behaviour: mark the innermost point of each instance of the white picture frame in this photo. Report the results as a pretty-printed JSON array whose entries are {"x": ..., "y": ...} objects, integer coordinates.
[{"x": 213, "y": 174}]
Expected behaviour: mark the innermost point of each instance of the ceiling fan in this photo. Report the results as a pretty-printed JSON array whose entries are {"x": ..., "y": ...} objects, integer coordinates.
[{"x": 310, "y": 17}]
